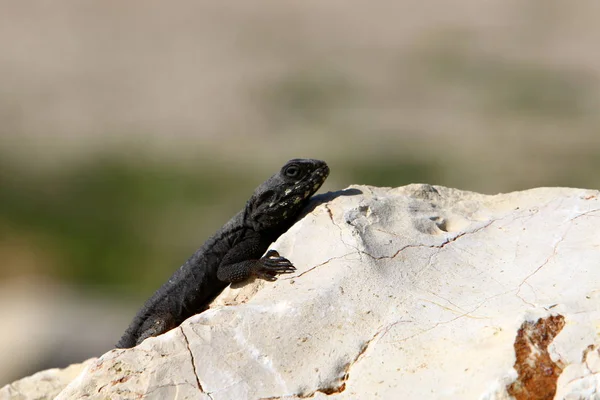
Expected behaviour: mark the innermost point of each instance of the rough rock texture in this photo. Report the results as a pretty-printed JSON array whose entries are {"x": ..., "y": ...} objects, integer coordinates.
[{"x": 417, "y": 292}]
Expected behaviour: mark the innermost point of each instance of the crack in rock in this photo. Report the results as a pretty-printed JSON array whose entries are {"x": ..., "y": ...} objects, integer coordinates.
[
  {"x": 187, "y": 344},
  {"x": 342, "y": 386},
  {"x": 462, "y": 315},
  {"x": 346, "y": 375},
  {"x": 546, "y": 261},
  {"x": 340, "y": 230},
  {"x": 586, "y": 213},
  {"x": 579, "y": 385},
  {"x": 319, "y": 265},
  {"x": 361, "y": 252},
  {"x": 431, "y": 246},
  {"x": 397, "y": 252}
]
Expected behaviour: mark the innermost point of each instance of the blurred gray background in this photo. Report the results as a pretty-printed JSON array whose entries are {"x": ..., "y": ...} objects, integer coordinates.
[{"x": 130, "y": 131}]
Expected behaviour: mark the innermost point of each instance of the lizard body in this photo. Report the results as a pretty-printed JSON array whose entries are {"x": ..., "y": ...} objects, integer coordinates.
[{"x": 233, "y": 253}]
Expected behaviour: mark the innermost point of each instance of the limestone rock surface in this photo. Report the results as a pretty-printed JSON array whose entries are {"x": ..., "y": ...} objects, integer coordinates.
[{"x": 417, "y": 292}]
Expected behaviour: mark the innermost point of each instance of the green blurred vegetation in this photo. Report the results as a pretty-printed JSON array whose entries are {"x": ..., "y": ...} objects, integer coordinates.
[{"x": 110, "y": 222}]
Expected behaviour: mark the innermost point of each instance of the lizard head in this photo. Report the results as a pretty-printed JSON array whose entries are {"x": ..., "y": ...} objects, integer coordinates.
[{"x": 282, "y": 196}]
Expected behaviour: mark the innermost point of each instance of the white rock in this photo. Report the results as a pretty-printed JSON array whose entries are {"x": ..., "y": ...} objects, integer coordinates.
[{"x": 417, "y": 292}]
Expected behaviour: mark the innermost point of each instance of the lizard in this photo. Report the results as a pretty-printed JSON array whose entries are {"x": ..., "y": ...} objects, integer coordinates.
[{"x": 233, "y": 253}]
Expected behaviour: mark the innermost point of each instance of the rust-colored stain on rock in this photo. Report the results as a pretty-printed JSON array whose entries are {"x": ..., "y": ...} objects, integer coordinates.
[{"x": 537, "y": 372}]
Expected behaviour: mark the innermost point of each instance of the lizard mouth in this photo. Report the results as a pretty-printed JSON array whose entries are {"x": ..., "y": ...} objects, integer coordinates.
[
  {"x": 323, "y": 171},
  {"x": 316, "y": 179}
]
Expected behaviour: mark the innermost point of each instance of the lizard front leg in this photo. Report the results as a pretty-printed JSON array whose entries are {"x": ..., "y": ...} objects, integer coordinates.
[{"x": 267, "y": 267}]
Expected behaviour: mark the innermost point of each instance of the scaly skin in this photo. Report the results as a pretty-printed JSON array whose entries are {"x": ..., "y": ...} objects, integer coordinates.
[{"x": 233, "y": 253}]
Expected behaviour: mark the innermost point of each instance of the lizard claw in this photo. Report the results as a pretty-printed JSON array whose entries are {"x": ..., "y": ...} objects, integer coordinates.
[
  {"x": 271, "y": 253},
  {"x": 271, "y": 265}
]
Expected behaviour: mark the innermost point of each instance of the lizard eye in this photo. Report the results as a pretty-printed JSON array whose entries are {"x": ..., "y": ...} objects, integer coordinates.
[{"x": 292, "y": 171}]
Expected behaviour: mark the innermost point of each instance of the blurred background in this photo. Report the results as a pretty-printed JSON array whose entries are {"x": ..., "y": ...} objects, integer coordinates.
[{"x": 131, "y": 131}]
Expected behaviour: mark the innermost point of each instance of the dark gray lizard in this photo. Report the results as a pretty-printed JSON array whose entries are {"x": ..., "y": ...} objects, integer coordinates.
[{"x": 233, "y": 253}]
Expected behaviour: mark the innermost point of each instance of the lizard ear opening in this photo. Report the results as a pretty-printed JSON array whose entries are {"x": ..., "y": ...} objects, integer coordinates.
[
  {"x": 260, "y": 205},
  {"x": 268, "y": 209},
  {"x": 264, "y": 199}
]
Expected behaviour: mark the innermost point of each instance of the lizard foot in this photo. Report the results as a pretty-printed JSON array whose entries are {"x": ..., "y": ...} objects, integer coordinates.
[{"x": 271, "y": 265}]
